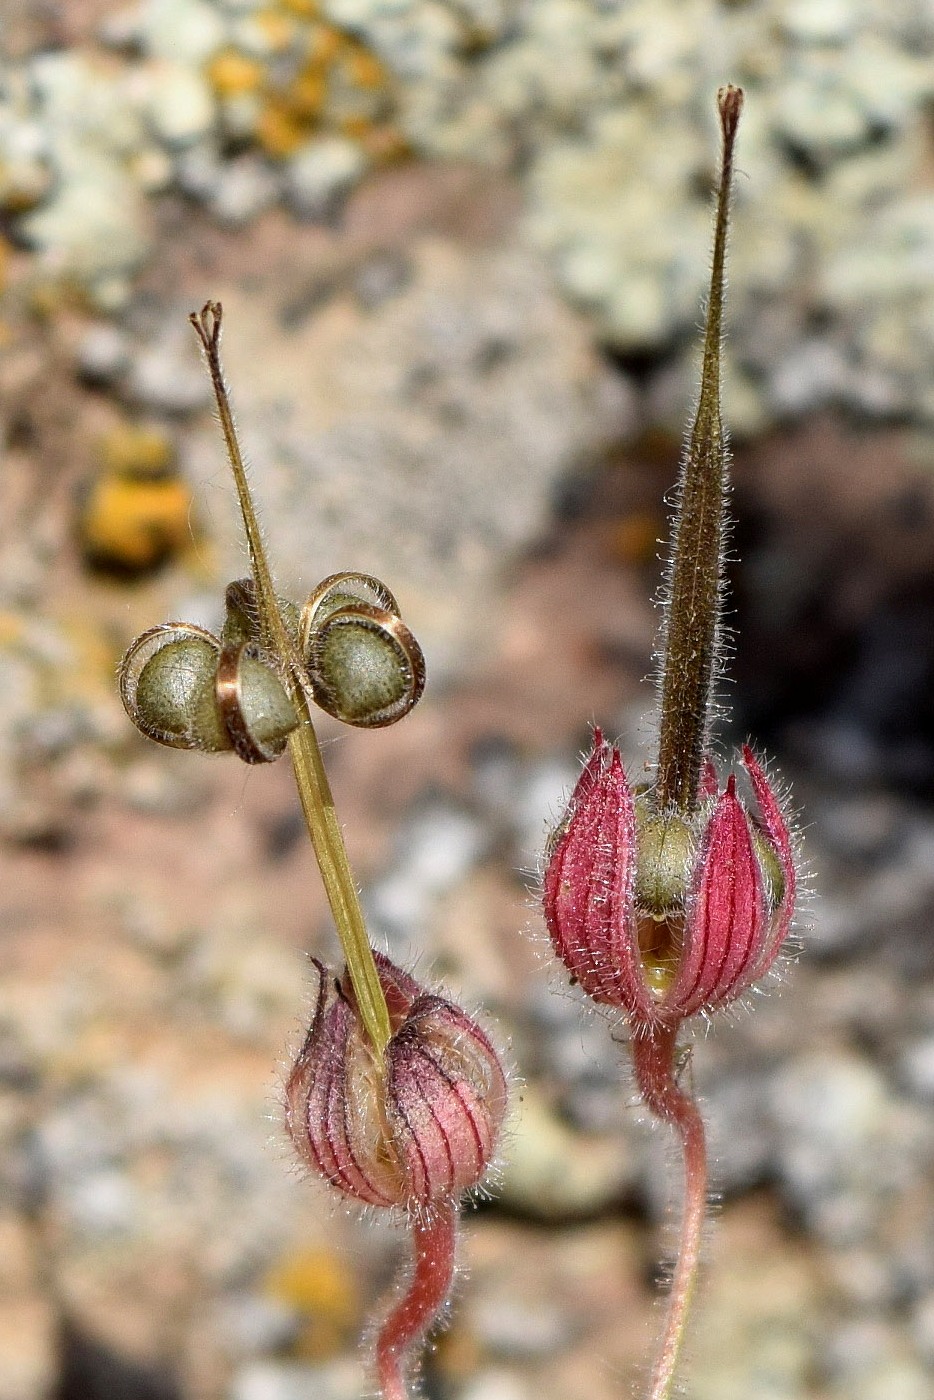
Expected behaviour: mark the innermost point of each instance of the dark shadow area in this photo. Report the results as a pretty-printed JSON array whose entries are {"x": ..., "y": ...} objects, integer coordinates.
[{"x": 92, "y": 1371}]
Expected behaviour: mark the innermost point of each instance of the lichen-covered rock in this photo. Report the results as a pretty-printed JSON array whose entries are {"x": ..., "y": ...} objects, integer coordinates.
[
  {"x": 615, "y": 143},
  {"x": 242, "y": 103}
]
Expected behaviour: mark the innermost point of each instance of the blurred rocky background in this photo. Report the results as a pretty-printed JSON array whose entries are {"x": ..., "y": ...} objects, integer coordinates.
[{"x": 462, "y": 249}]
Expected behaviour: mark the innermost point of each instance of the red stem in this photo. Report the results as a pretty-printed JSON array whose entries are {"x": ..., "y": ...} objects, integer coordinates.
[
  {"x": 426, "y": 1291},
  {"x": 653, "y": 1059}
]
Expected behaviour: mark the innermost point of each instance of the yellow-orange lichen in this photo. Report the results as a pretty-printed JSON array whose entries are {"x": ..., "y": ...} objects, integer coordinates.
[
  {"x": 279, "y": 130},
  {"x": 323, "y": 44},
  {"x": 306, "y": 96},
  {"x": 277, "y": 28},
  {"x": 232, "y": 74},
  {"x": 315, "y": 78},
  {"x": 135, "y": 524},
  {"x": 363, "y": 68},
  {"x": 138, "y": 510}
]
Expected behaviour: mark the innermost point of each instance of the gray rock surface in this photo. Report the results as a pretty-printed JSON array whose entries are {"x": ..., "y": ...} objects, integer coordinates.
[
  {"x": 613, "y": 144},
  {"x": 429, "y": 430}
]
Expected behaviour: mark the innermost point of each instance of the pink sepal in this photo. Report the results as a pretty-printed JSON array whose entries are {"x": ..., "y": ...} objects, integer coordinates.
[
  {"x": 415, "y": 1131},
  {"x": 776, "y": 828},
  {"x": 726, "y": 917},
  {"x": 588, "y": 886}
]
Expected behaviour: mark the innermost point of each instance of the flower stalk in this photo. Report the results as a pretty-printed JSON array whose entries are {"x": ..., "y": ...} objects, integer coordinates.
[
  {"x": 397, "y": 1097},
  {"x": 670, "y": 900},
  {"x": 434, "y": 1245},
  {"x": 314, "y": 790},
  {"x": 689, "y": 674},
  {"x": 653, "y": 1060},
  {"x": 413, "y": 1137}
]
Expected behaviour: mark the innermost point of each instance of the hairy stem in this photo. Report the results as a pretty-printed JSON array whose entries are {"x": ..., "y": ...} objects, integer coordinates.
[
  {"x": 695, "y": 583},
  {"x": 311, "y": 779},
  {"x": 434, "y": 1242},
  {"x": 653, "y": 1058},
  {"x": 317, "y": 801}
]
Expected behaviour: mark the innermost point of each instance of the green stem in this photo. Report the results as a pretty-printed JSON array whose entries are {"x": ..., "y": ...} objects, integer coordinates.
[
  {"x": 311, "y": 779},
  {"x": 314, "y": 791},
  {"x": 695, "y": 584}
]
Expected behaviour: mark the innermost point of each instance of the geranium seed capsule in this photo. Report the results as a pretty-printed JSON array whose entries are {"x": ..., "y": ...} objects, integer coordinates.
[
  {"x": 665, "y": 842},
  {"x": 364, "y": 664},
  {"x": 343, "y": 590},
  {"x": 242, "y": 620},
  {"x": 254, "y": 706},
  {"x": 167, "y": 686},
  {"x": 182, "y": 688}
]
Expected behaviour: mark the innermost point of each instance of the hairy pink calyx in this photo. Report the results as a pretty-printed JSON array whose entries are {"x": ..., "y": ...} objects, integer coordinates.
[
  {"x": 415, "y": 1130},
  {"x": 666, "y": 914}
]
